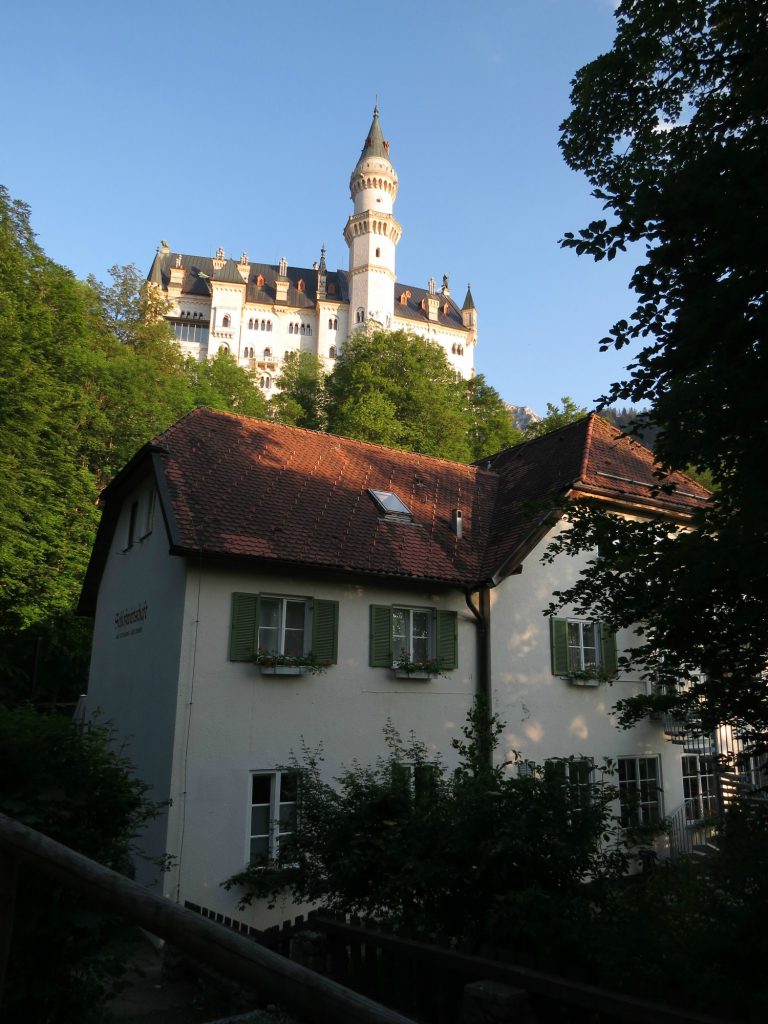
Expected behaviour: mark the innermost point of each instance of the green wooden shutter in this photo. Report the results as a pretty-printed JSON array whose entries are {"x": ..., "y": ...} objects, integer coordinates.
[
  {"x": 325, "y": 631},
  {"x": 608, "y": 653},
  {"x": 559, "y": 639},
  {"x": 380, "y": 648},
  {"x": 242, "y": 633},
  {"x": 447, "y": 639}
]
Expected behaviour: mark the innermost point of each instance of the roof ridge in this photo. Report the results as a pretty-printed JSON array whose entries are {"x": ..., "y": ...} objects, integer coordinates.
[
  {"x": 321, "y": 433},
  {"x": 587, "y": 446}
]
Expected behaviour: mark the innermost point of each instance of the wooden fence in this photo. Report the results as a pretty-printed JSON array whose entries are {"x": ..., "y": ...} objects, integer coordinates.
[{"x": 308, "y": 994}]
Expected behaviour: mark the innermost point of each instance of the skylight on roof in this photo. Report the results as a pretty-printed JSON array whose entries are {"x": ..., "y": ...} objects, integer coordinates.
[{"x": 389, "y": 503}]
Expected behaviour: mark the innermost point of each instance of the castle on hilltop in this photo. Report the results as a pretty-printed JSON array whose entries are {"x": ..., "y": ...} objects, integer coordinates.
[{"x": 260, "y": 312}]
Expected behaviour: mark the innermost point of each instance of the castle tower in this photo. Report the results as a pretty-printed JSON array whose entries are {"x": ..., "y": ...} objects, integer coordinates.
[{"x": 372, "y": 233}]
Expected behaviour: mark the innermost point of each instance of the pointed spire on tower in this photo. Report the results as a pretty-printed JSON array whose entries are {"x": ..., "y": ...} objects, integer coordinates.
[
  {"x": 374, "y": 144},
  {"x": 322, "y": 270},
  {"x": 468, "y": 301}
]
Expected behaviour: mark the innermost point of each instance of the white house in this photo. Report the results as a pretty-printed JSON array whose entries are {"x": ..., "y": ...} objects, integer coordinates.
[
  {"x": 227, "y": 535},
  {"x": 260, "y": 312}
]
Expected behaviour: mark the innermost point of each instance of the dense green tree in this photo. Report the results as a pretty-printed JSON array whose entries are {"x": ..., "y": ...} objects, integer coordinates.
[
  {"x": 489, "y": 425},
  {"x": 88, "y": 373},
  {"x": 219, "y": 383},
  {"x": 670, "y": 129},
  {"x": 466, "y": 852},
  {"x": 301, "y": 400},
  {"x": 70, "y": 784},
  {"x": 394, "y": 388},
  {"x": 556, "y": 417}
]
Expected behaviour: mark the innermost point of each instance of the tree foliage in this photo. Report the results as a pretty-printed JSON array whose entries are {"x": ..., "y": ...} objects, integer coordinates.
[
  {"x": 397, "y": 389},
  {"x": 69, "y": 784},
  {"x": 670, "y": 129},
  {"x": 88, "y": 373},
  {"x": 557, "y": 416},
  {"x": 302, "y": 398},
  {"x": 466, "y": 852},
  {"x": 489, "y": 425}
]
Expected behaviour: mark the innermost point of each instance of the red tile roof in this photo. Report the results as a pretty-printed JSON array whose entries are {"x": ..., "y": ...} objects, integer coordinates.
[
  {"x": 248, "y": 489},
  {"x": 588, "y": 458}
]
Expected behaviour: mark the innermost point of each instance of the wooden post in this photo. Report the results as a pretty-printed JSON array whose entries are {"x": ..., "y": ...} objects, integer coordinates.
[
  {"x": 310, "y": 996},
  {"x": 9, "y": 876}
]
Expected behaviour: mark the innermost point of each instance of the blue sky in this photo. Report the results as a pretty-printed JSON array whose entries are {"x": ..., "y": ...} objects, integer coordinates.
[{"x": 239, "y": 124}]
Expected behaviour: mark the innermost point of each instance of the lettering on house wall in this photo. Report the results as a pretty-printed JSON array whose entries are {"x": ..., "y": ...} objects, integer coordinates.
[{"x": 130, "y": 621}]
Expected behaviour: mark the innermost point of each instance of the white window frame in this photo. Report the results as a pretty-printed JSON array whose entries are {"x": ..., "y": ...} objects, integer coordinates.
[
  {"x": 641, "y": 809},
  {"x": 408, "y": 635},
  {"x": 281, "y": 626},
  {"x": 275, "y": 814},
  {"x": 576, "y": 652},
  {"x": 699, "y": 787}
]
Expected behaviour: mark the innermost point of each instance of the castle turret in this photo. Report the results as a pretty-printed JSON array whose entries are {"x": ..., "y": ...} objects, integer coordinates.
[{"x": 372, "y": 233}]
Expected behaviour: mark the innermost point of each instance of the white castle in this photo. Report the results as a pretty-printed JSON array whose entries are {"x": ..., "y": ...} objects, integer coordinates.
[{"x": 260, "y": 312}]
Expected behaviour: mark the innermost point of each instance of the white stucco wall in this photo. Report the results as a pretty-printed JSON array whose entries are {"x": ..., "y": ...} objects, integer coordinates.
[
  {"x": 545, "y": 715},
  {"x": 135, "y": 659},
  {"x": 241, "y": 722}
]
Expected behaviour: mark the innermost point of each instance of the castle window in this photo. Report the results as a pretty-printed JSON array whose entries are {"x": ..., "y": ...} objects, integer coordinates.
[
  {"x": 446, "y": 307},
  {"x": 260, "y": 281},
  {"x": 267, "y": 382},
  {"x": 303, "y": 329},
  {"x": 267, "y": 353},
  {"x": 269, "y": 325},
  {"x": 403, "y": 298},
  {"x": 330, "y": 324},
  {"x": 335, "y": 324},
  {"x": 290, "y": 328},
  {"x": 378, "y": 252},
  {"x": 331, "y": 288},
  {"x": 250, "y": 324},
  {"x": 301, "y": 286},
  {"x": 227, "y": 321},
  {"x": 332, "y": 352},
  {"x": 309, "y": 329}
]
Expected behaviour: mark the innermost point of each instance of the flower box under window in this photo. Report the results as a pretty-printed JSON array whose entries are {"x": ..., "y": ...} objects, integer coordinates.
[{"x": 283, "y": 670}]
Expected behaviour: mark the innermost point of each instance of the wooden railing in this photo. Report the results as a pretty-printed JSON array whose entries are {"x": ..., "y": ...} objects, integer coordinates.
[
  {"x": 309, "y": 995},
  {"x": 427, "y": 981}
]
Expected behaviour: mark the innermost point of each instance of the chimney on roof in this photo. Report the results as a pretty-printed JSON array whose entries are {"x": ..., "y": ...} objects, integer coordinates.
[
  {"x": 457, "y": 522},
  {"x": 176, "y": 278},
  {"x": 282, "y": 282}
]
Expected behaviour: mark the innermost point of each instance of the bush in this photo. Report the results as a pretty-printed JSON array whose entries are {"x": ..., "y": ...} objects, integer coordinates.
[{"x": 69, "y": 784}]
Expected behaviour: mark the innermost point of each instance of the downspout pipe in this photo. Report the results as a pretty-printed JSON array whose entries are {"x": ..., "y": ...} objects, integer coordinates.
[{"x": 483, "y": 693}]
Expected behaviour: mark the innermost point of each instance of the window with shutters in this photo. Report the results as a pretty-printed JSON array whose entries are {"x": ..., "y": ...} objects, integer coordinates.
[
  {"x": 414, "y": 640},
  {"x": 583, "y": 650},
  {"x": 273, "y": 812},
  {"x": 284, "y": 627}
]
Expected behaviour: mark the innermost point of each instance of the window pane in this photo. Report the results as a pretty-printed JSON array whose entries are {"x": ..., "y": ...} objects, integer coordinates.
[
  {"x": 259, "y": 847},
  {"x": 294, "y": 614},
  {"x": 288, "y": 786},
  {"x": 287, "y": 818},
  {"x": 400, "y": 628},
  {"x": 269, "y": 612},
  {"x": 260, "y": 820},
  {"x": 261, "y": 789},
  {"x": 420, "y": 624}
]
